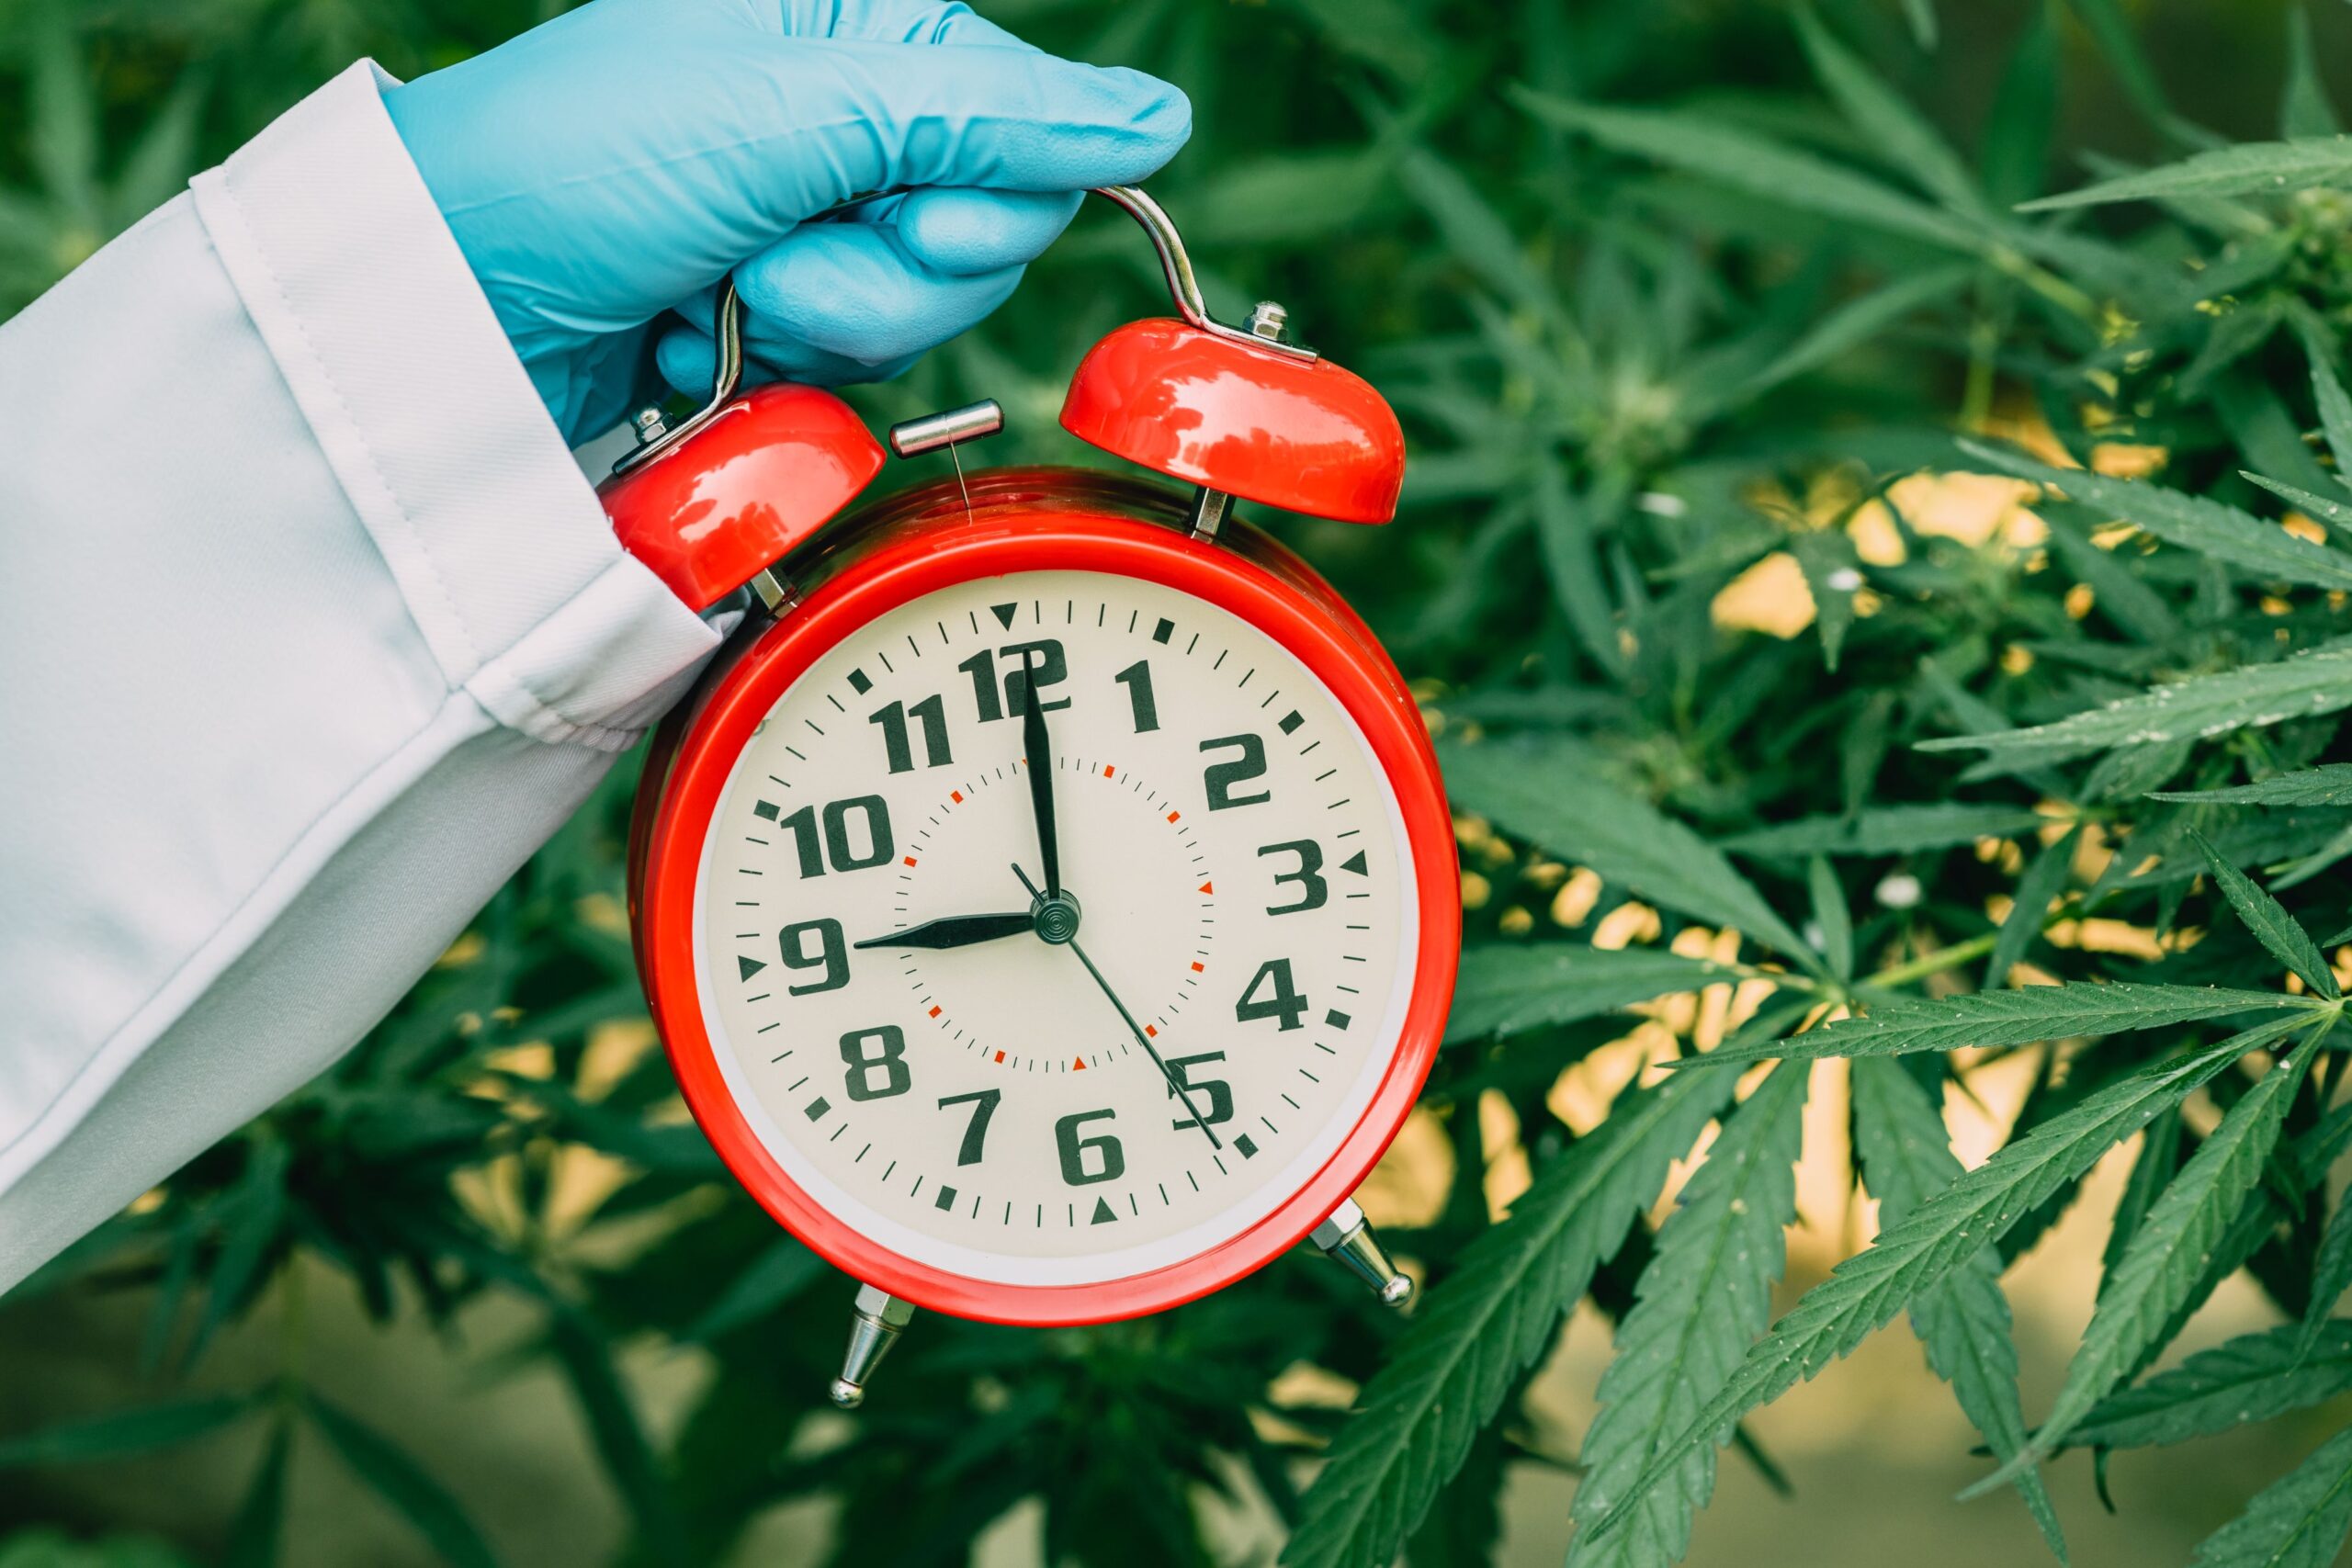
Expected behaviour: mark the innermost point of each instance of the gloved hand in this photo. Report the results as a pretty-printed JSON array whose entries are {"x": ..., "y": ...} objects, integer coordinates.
[{"x": 617, "y": 161}]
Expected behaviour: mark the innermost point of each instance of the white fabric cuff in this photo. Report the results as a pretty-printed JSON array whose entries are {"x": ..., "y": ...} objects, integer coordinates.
[{"x": 431, "y": 426}]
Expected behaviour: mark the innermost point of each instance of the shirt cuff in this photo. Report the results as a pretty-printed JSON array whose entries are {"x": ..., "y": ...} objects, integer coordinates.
[{"x": 500, "y": 549}]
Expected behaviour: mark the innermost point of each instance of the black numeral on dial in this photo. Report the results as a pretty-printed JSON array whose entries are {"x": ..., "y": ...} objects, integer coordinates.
[
  {"x": 1136, "y": 679},
  {"x": 1283, "y": 1000},
  {"x": 873, "y": 815},
  {"x": 1103, "y": 1150},
  {"x": 1220, "y": 777},
  {"x": 1219, "y": 1092},
  {"x": 1052, "y": 666},
  {"x": 1313, "y": 891},
  {"x": 831, "y": 955},
  {"x": 983, "y": 1102},
  {"x": 932, "y": 714},
  {"x": 867, "y": 1052}
]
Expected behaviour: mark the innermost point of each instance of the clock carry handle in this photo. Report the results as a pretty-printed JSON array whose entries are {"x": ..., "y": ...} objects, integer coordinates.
[{"x": 713, "y": 502}]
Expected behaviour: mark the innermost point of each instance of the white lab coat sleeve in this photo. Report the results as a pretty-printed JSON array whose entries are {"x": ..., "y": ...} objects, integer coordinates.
[{"x": 310, "y": 631}]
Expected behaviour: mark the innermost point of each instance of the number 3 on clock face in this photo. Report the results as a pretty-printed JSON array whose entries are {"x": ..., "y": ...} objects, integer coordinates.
[{"x": 987, "y": 1121}]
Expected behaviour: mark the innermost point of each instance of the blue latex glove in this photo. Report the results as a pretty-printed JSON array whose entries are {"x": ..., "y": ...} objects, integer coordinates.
[{"x": 618, "y": 161}]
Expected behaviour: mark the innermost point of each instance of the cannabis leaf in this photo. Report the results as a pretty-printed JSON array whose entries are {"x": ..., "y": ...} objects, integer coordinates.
[
  {"x": 2297, "y": 1521},
  {"x": 2003, "y": 1018},
  {"x": 2275, "y": 930},
  {"x": 1886, "y": 831},
  {"x": 1545, "y": 792},
  {"x": 1705, "y": 1295},
  {"x": 2327, "y": 786},
  {"x": 2036, "y": 889},
  {"x": 2167, "y": 1257},
  {"x": 1943, "y": 1234},
  {"x": 1505, "y": 989},
  {"x": 2262, "y": 548},
  {"x": 2270, "y": 168},
  {"x": 1963, "y": 1322},
  {"x": 1491, "y": 1319},
  {"x": 2251, "y": 1377},
  {"x": 2251, "y": 697}
]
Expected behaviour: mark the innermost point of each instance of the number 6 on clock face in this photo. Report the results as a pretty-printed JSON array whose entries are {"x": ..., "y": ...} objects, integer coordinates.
[{"x": 1053, "y": 1114}]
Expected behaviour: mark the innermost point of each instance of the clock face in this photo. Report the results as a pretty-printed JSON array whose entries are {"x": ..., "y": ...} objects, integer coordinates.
[{"x": 1239, "y": 904}]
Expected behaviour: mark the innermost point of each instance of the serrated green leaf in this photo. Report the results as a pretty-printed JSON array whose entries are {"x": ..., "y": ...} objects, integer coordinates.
[
  {"x": 2022, "y": 1017},
  {"x": 2336, "y": 515},
  {"x": 1747, "y": 162},
  {"x": 2297, "y": 1521},
  {"x": 1887, "y": 124},
  {"x": 1544, "y": 792},
  {"x": 2328, "y": 784},
  {"x": 117, "y": 1432},
  {"x": 257, "y": 1533},
  {"x": 399, "y": 1479},
  {"x": 1829, "y": 912},
  {"x": 1964, "y": 1323},
  {"x": 1706, "y": 1293},
  {"x": 2304, "y": 111},
  {"x": 2331, "y": 1276},
  {"x": 1507, "y": 988},
  {"x": 2250, "y": 168},
  {"x": 1483, "y": 1325},
  {"x": 2111, "y": 31},
  {"x": 767, "y": 1283},
  {"x": 1832, "y": 575},
  {"x": 1887, "y": 830},
  {"x": 2029, "y": 907},
  {"x": 2167, "y": 1257},
  {"x": 2335, "y": 406},
  {"x": 2275, "y": 930},
  {"x": 1476, "y": 236},
  {"x": 2025, "y": 109},
  {"x": 1567, "y": 528},
  {"x": 2252, "y": 696},
  {"x": 2191, "y": 522},
  {"x": 2251, "y": 1377},
  {"x": 1854, "y": 323},
  {"x": 620, "y": 1441},
  {"x": 1947, "y": 1231},
  {"x": 252, "y": 1213}
]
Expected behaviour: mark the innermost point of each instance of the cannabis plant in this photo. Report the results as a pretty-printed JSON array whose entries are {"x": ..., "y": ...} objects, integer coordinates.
[{"x": 1879, "y": 577}]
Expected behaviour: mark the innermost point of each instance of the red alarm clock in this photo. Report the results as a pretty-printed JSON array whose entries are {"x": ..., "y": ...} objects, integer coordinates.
[{"x": 1048, "y": 901}]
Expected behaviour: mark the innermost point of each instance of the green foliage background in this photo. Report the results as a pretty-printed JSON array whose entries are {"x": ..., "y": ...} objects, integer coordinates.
[{"x": 1663, "y": 288}]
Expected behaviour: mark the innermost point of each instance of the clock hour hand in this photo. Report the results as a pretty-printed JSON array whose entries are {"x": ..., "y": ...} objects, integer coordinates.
[
  {"x": 1175, "y": 1085},
  {"x": 953, "y": 931},
  {"x": 1039, "y": 746}
]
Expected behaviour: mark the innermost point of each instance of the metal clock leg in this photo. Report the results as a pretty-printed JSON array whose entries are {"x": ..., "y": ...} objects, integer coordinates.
[
  {"x": 872, "y": 1332},
  {"x": 1348, "y": 1237}
]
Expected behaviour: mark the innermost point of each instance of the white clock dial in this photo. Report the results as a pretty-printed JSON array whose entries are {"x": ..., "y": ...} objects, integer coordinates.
[{"x": 1243, "y": 888}]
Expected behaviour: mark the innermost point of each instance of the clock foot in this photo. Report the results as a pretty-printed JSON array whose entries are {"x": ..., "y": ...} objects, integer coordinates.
[
  {"x": 1346, "y": 1236},
  {"x": 872, "y": 1332}
]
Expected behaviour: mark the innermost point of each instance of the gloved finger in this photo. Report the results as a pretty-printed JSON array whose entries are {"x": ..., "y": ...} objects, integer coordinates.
[
  {"x": 687, "y": 356},
  {"x": 896, "y": 21},
  {"x": 965, "y": 233},
  {"x": 851, "y": 288},
  {"x": 903, "y": 117}
]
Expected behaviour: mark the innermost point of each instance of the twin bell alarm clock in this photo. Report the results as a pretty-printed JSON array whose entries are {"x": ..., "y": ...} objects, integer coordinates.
[{"x": 1048, "y": 900}]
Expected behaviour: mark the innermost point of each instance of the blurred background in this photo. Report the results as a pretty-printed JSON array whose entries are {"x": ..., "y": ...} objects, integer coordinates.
[{"x": 493, "y": 1255}]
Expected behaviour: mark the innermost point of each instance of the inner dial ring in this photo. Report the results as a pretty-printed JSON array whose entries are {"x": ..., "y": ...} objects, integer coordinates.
[{"x": 1131, "y": 859}]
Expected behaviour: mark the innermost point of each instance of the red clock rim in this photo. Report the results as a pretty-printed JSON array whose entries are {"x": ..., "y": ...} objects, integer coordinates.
[{"x": 903, "y": 569}]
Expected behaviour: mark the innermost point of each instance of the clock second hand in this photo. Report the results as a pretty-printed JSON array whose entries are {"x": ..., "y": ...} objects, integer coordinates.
[{"x": 1175, "y": 1085}]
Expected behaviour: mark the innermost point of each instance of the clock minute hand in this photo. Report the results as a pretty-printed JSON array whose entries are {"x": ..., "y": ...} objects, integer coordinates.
[
  {"x": 1175, "y": 1085},
  {"x": 1034, "y": 740},
  {"x": 953, "y": 931}
]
